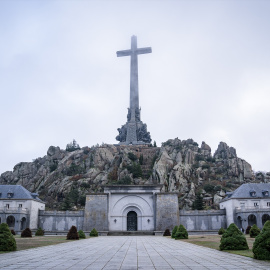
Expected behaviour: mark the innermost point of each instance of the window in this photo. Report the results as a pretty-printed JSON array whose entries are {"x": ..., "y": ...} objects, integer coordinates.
[
  {"x": 20, "y": 205},
  {"x": 256, "y": 204},
  {"x": 7, "y": 206},
  {"x": 268, "y": 204}
]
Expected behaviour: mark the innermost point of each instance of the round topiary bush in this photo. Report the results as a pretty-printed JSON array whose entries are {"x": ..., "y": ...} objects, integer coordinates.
[
  {"x": 39, "y": 232},
  {"x": 93, "y": 232},
  {"x": 181, "y": 233},
  {"x": 26, "y": 233},
  {"x": 81, "y": 234},
  {"x": 73, "y": 234},
  {"x": 13, "y": 232},
  {"x": 167, "y": 233},
  {"x": 174, "y": 231},
  {"x": 221, "y": 231},
  {"x": 7, "y": 240},
  {"x": 233, "y": 239},
  {"x": 254, "y": 231},
  {"x": 248, "y": 229},
  {"x": 261, "y": 246}
]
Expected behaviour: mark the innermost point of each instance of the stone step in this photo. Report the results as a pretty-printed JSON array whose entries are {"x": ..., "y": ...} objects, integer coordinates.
[{"x": 131, "y": 233}]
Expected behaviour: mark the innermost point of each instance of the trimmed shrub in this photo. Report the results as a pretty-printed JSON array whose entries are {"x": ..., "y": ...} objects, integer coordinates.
[
  {"x": 221, "y": 231},
  {"x": 73, "y": 234},
  {"x": 26, "y": 233},
  {"x": 13, "y": 232},
  {"x": 39, "y": 232},
  {"x": 93, "y": 232},
  {"x": 181, "y": 233},
  {"x": 261, "y": 246},
  {"x": 174, "y": 231},
  {"x": 7, "y": 240},
  {"x": 81, "y": 234},
  {"x": 233, "y": 239},
  {"x": 266, "y": 226},
  {"x": 167, "y": 233},
  {"x": 248, "y": 229},
  {"x": 254, "y": 231}
]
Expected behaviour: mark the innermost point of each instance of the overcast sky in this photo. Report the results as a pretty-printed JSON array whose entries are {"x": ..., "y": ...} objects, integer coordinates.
[{"x": 207, "y": 78}]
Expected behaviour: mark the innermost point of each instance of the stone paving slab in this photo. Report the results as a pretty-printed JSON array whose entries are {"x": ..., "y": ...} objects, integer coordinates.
[{"x": 127, "y": 253}]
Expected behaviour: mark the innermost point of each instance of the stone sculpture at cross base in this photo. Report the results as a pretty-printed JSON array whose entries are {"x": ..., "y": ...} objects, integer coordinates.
[{"x": 134, "y": 131}]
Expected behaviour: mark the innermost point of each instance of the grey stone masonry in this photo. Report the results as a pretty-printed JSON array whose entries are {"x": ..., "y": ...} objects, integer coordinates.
[
  {"x": 96, "y": 212},
  {"x": 203, "y": 220},
  {"x": 56, "y": 221},
  {"x": 167, "y": 211}
]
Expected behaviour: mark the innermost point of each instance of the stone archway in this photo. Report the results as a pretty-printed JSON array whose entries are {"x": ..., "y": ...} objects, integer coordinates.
[
  {"x": 11, "y": 221},
  {"x": 252, "y": 220},
  {"x": 265, "y": 217},
  {"x": 132, "y": 223},
  {"x": 23, "y": 223}
]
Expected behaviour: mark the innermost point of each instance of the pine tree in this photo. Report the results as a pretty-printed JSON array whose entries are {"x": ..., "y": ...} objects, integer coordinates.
[
  {"x": 198, "y": 203},
  {"x": 7, "y": 240}
]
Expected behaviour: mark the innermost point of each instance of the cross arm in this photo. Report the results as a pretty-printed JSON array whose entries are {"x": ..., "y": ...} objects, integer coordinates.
[
  {"x": 144, "y": 50},
  {"x": 123, "y": 53}
]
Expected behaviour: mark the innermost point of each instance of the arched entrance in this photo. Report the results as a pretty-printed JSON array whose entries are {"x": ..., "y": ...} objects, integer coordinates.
[
  {"x": 23, "y": 223},
  {"x": 11, "y": 221},
  {"x": 252, "y": 220},
  {"x": 132, "y": 221},
  {"x": 265, "y": 217}
]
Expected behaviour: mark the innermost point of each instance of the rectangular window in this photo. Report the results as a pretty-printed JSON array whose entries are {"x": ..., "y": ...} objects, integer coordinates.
[
  {"x": 7, "y": 206},
  {"x": 268, "y": 204},
  {"x": 20, "y": 205}
]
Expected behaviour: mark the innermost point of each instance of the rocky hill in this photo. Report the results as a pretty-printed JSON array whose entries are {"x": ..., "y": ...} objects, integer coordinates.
[{"x": 62, "y": 178}]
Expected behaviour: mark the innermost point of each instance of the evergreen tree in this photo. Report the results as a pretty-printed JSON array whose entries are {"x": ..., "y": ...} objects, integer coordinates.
[
  {"x": 254, "y": 231},
  {"x": 7, "y": 240},
  {"x": 261, "y": 246},
  {"x": 198, "y": 203},
  {"x": 181, "y": 233},
  {"x": 155, "y": 144},
  {"x": 233, "y": 239},
  {"x": 174, "y": 231}
]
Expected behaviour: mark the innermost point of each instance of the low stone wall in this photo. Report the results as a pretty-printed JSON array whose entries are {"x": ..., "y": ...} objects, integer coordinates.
[
  {"x": 203, "y": 220},
  {"x": 59, "y": 221}
]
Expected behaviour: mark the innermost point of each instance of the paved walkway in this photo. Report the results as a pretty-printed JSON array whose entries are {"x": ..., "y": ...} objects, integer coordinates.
[{"x": 127, "y": 252}]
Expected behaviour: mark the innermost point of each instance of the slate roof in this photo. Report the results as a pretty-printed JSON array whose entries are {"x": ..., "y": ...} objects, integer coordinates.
[
  {"x": 245, "y": 190},
  {"x": 18, "y": 192}
]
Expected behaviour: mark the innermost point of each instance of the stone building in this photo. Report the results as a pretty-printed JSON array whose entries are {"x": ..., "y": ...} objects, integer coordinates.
[
  {"x": 131, "y": 208},
  {"x": 247, "y": 205},
  {"x": 19, "y": 208}
]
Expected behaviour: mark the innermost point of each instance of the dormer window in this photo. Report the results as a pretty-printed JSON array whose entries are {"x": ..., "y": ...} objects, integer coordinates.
[
  {"x": 252, "y": 193},
  {"x": 265, "y": 193},
  {"x": 10, "y": 194}
]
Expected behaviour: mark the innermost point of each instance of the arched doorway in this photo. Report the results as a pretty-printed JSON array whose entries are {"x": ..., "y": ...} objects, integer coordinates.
[
  {"x": 23, "y": 223},
  {"x": 252, "y": 220},
  {"x": 11, "y": 221},
  {"x": 132, "y": 221},
  {"x": 265, "y": 217}
]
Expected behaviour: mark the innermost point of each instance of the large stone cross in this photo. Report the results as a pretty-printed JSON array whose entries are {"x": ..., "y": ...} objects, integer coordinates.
[
  {"x": 134, "y": 131},
  {"x": 134, "y": 89}
]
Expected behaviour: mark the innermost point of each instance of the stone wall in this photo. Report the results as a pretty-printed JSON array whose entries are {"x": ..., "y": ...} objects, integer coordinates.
[
  {"x": 167, "y": 211},
  {"x": 203, "y": 220},
  {"x": 96, "y": 212},
  {"x": 57, "y": 221}
]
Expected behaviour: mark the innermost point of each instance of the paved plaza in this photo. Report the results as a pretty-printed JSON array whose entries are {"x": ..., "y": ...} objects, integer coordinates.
[{"x": 127, "y": 252}]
